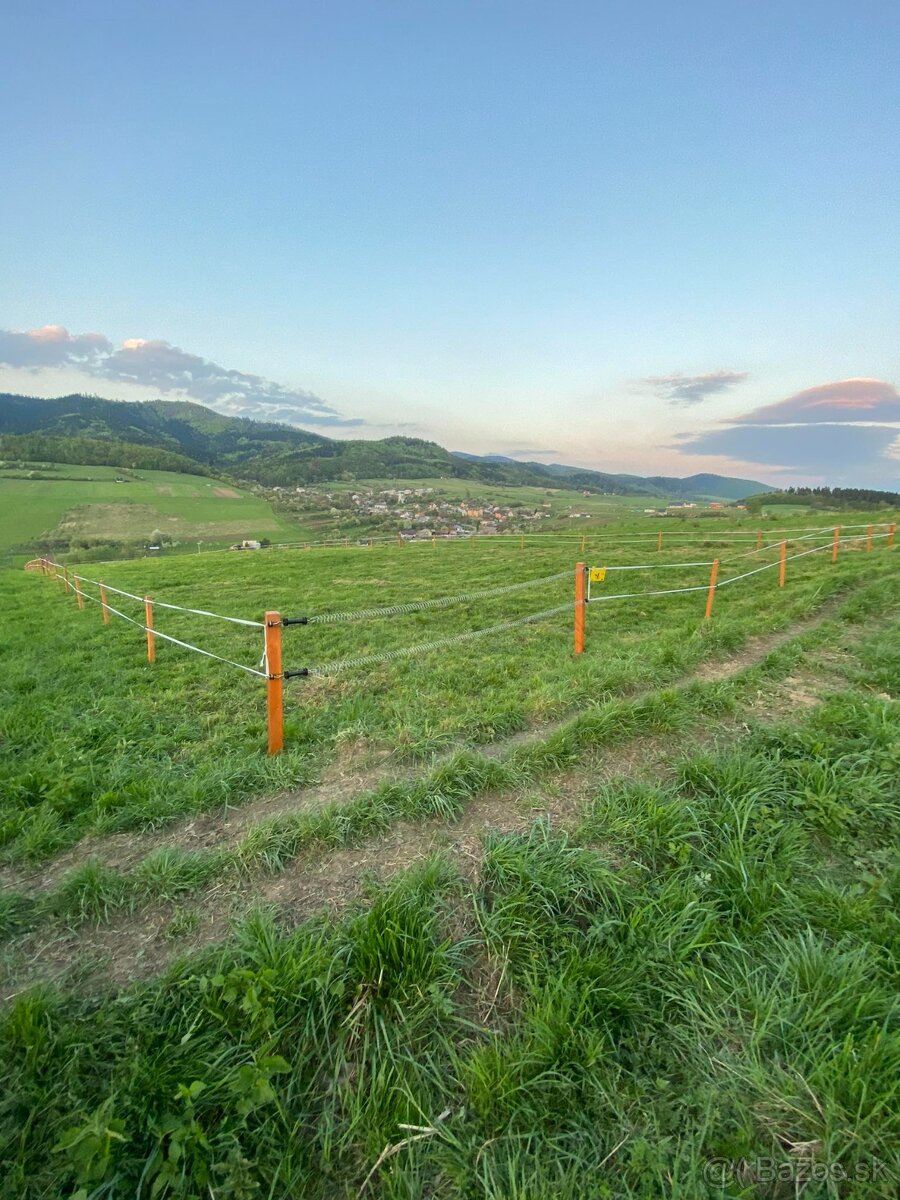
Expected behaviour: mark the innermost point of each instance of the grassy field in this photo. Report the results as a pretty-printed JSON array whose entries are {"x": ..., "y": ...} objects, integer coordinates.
[
  {"x": 499, "y": 923},
  {"x": 109, "y": 742},
  {"x": 87, "y": 502},
  {"x": 687, "y": 990}
]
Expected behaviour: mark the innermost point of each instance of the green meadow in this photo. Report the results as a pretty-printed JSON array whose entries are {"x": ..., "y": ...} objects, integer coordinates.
[
  {"x": 83, "y": 752},
  {"x": 88, "y": 503},
  {"x": 500, "y": 922}
]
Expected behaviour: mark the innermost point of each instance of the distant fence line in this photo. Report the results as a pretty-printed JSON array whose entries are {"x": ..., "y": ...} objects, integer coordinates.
[{"x": 271, "y": 668}]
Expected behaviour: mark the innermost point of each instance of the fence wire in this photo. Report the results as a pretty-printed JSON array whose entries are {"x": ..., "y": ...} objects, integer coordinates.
[
  {"x": 166, "y": 637},
  {"x": 197, "y": 612},
  {"x": 366, "y": 660},
  {"x": 391, "y": 610}
]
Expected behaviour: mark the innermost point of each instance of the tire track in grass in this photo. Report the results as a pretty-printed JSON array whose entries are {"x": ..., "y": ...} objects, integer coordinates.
[
  {"x": 144, "y": 942},
  {"x": 345, "y": 781}
]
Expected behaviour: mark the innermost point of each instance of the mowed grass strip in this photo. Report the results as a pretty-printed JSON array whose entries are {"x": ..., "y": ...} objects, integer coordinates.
[
  {"x": 95, "y": 740},
  {"x": 694, "y": 988}
]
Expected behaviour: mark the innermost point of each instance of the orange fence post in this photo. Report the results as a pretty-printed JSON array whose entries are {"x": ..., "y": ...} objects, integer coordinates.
[
  {"x": 103, "y": 606},
  {"x": 148, "y": 620},
  {"x": 836, "y": 543},
  {"x": 890, "y": 536},
  {"x": 659, "y": 540},
  {"x": 711, "y": 594},
  {"x": 782, "y": 564},
  {"x": 580, "y": 605},
  {"x": 759, "y": 539},
  {"x": 274, "y": 683},
  {"x": 869, "y": 532}
]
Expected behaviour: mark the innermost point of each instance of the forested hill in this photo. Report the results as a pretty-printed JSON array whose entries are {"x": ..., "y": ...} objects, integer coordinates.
[
  {"x": 94, "y": 452},
  {"x": 179, "y": 426},
  {"x": 828, "y": 498},
  {"x": 258, "y": 450},
  {"x": 276, "y": 454}
]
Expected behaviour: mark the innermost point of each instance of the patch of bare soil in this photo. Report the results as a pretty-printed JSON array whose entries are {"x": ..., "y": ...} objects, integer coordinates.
[
  {"x": 142, "y": 944},
  {"x": 356, "y": 768}
]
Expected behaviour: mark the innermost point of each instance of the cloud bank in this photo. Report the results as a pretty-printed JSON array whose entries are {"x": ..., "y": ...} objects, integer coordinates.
[
  {"x": 168, "y": 370},
  {"x": 847, "y": 430},
  {"x": 693, "y": 389}
]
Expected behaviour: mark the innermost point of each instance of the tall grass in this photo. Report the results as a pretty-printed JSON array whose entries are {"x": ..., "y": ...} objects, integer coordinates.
[{"x": 696, "y": 984}]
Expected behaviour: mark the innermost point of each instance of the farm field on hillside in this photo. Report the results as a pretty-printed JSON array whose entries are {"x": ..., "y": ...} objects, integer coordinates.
[
  {"x": 619, "y": 985},
  {"x": 88, "y": 502},
  {"x": 108, "y": 742}
]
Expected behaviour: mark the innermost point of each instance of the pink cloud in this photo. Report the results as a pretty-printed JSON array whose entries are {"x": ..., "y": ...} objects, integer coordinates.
[
  {"x": 842, "y": 400},
  {"x": 166, "y": 369}
]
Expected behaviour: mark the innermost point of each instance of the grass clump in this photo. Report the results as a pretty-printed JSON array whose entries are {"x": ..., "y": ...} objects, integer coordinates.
[{"x": 700, "y": 977}]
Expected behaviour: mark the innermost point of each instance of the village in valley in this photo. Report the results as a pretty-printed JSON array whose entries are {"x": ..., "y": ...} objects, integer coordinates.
[
  {"x": 412, "y": 512},
  {"x": 423, "y": 512}
]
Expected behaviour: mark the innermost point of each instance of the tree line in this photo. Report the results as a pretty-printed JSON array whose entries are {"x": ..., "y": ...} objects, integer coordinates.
[
  {"x": 92, "y": 452},
  {"x": 838, "y": 497}
]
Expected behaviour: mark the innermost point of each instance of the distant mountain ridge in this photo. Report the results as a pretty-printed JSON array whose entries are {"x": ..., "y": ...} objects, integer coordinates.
[
  {"x": 725, "y": 487},
  {"x": 275, "y": 454}
]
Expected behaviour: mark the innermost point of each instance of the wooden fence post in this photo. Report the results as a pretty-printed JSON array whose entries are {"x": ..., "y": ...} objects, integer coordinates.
[
  {"x": 759, "y": 539},
  {"x": 148, "y": 621},
  {"x": 274, "y": 683},
  {"x": 836, "y": 543},
  {"x": 103, "y": 605},
  {"x": 890, "y": 536},
  {"x": 66, "y": 583},
  {"x": 580, "y": 605},
  {"x": 869, "y": 533},
  {"x": 78, "y": 593},
  {"x": 711, "y": 594},
  {"x": 659, "y": 540},
  {"x": 782, "y": 564}
]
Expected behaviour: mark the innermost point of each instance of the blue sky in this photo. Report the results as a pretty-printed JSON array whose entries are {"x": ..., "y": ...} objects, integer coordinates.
[{"x": 603, "y": 233}]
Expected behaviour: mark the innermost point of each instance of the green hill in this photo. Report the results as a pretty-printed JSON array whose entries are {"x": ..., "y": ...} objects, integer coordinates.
[
  {"x": 721, "y": 487},
  {"x": 279, "y": 455}
]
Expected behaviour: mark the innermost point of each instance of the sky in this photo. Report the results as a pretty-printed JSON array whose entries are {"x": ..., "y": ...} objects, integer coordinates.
[{"x": 639, "y": 236}]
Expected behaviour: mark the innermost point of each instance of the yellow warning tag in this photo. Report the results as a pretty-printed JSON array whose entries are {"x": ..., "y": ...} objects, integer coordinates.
[{"x": 598, "y": 574}]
